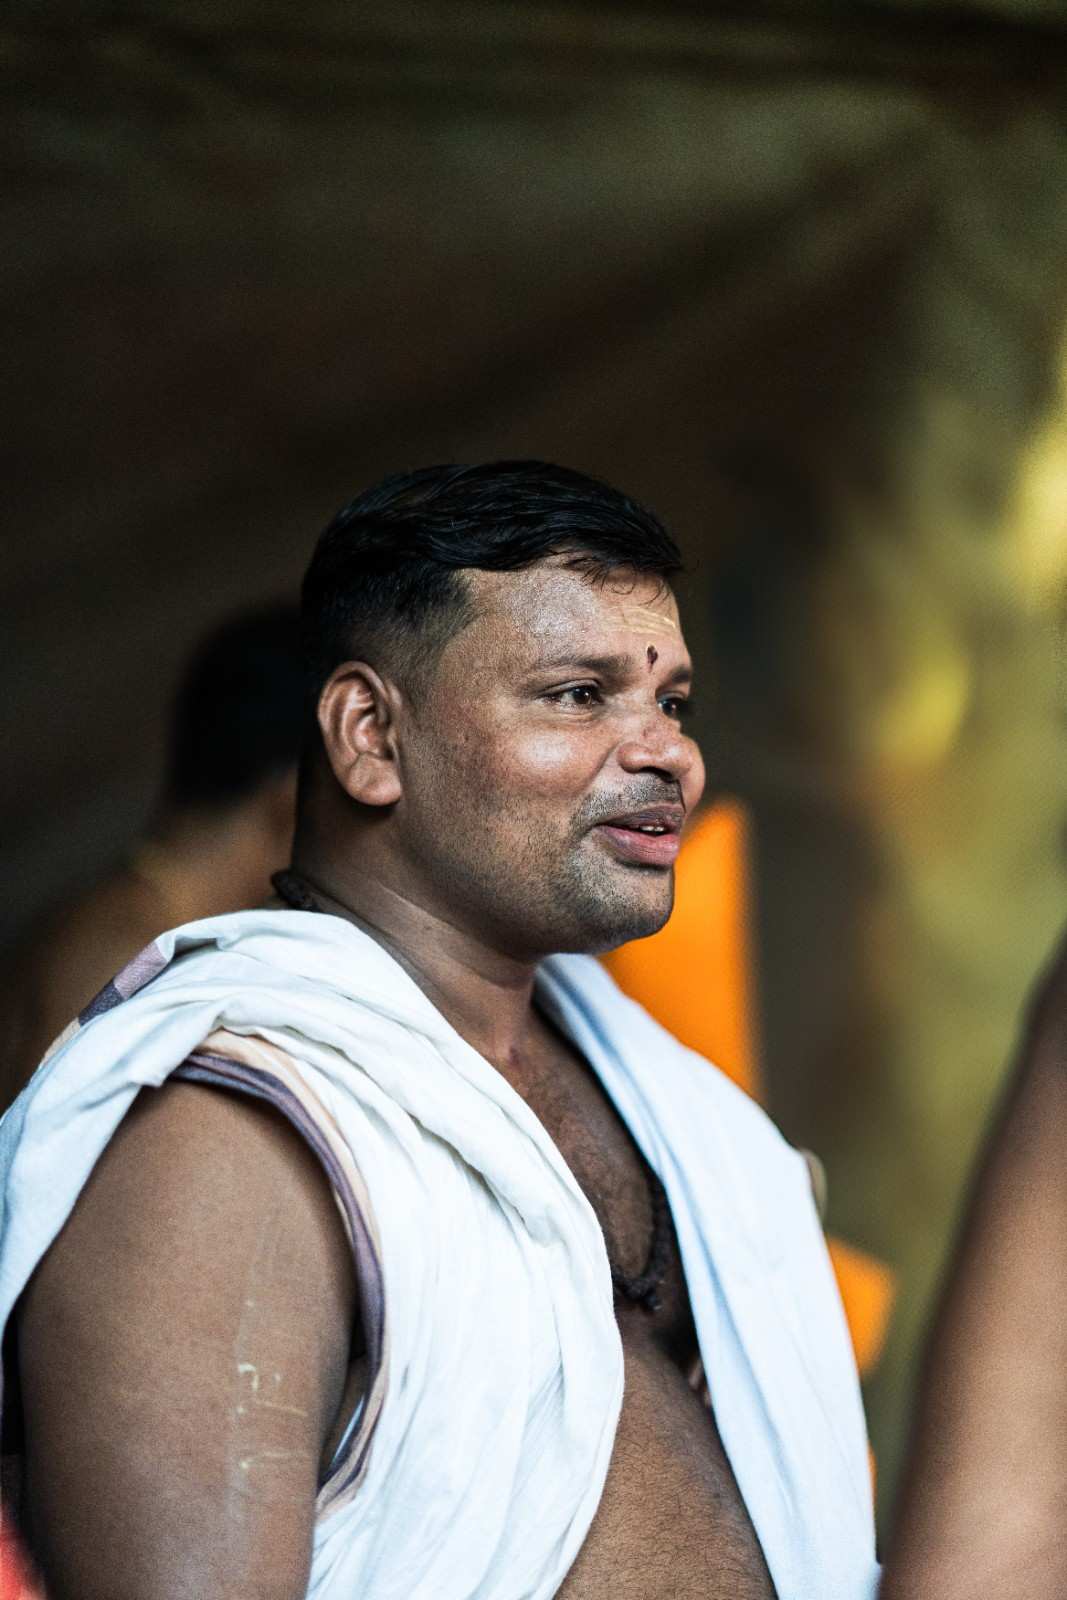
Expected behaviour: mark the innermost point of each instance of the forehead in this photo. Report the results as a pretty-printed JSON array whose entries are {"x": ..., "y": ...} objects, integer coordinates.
[{"x": 552, "y": 605}]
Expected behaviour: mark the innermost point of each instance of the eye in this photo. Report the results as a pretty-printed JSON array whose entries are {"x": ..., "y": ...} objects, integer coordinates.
[
  {"x": 579, "y": 696},
  {"x": 676, "y": 706}
]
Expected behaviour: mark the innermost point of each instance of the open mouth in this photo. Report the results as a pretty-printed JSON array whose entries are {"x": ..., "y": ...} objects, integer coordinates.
[{"x": 650, "y": 837}]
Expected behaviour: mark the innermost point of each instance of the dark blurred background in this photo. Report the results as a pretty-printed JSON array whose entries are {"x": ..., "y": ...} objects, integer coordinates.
[{"x": 794, "y": 273}]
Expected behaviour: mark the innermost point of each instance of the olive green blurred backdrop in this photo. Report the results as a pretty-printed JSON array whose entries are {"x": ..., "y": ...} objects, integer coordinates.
[{"x": 796, "y": 273}]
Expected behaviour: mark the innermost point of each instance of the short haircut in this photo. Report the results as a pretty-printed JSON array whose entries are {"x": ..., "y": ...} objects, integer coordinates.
[
  {"x": 238, "y": 712},
  {"x": 385, "y": 583}
]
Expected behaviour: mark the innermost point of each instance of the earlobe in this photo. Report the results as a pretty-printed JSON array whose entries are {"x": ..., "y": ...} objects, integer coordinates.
[{"x": 356, "y": 717}]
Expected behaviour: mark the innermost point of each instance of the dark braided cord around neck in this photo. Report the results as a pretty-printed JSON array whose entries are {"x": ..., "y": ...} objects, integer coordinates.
[
  {"x": 294, "y": 891},
  {"x": 641, "y": 1288},
  {"x": 644, "y": 1289}
]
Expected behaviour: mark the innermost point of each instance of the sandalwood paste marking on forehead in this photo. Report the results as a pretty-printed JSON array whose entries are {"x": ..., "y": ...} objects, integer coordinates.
[{"x": 648, "y": 621}]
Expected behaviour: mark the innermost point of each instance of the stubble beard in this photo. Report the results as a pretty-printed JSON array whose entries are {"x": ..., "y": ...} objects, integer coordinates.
[
  {"x": 530, "y": 894},
  {"x": 585, "y": 903},
  {"x": 608, "y": 904}
]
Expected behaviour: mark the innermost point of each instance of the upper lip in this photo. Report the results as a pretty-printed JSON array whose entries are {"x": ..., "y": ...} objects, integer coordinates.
[{"x": 668, "y": 817}]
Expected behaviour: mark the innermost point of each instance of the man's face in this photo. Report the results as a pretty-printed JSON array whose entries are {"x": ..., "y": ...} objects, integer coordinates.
[{"x": 546, "y": 774}]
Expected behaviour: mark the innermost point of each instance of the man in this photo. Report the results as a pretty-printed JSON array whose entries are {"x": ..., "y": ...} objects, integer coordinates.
[
  {"x": 985, "y": 1494},
  {"x": 223, "y": 825},
  {"x": 360, "y": 1324}
]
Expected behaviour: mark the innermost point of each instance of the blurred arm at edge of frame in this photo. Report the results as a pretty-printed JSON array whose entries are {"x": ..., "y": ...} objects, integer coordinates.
[{"x": 983, "y": 1505}]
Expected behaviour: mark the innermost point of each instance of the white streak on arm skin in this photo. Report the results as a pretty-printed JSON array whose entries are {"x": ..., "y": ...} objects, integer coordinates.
[
  {"x": 260, "y": 1457},
  {"x": 260, "y": 1401},
  {"x": 278, "y": 1405}
]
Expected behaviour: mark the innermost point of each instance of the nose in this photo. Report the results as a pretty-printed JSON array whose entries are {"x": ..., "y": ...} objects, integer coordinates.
[{"x": 660, "y": 745}]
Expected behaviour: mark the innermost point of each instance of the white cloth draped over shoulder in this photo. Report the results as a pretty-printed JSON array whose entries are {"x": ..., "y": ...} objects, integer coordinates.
[{"x": 481, "y": 1450}]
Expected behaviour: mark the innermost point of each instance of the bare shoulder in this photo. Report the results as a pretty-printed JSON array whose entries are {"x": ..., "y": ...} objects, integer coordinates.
[
  {"x": 183, "y": 1349},
  {"x": 189, "y": 1151}
]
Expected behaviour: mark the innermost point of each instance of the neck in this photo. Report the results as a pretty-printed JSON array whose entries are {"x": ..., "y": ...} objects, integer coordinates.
[{"x": 484, "y": 994}]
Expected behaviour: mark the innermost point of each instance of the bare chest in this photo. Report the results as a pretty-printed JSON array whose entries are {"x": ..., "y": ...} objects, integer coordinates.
[{"x": 671, "y": 1520}]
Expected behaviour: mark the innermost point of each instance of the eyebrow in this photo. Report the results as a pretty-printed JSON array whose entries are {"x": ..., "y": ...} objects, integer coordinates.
[{"x": 616, "y": 666}]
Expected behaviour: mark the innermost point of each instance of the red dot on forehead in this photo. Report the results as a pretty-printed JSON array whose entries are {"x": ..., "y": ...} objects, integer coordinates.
[{"x": 653, "y": 656}]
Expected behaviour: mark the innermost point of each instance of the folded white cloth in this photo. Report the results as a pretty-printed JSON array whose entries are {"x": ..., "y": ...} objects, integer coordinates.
[{"x": 480, "y": 1455}]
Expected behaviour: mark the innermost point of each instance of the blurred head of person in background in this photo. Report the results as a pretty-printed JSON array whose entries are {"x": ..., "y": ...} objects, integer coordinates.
[
  {"x": 231, "y": 766},
  {"x": 223, "y": 823}
]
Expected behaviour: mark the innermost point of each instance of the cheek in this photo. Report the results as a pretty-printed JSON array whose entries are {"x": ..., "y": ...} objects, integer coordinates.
[
  {"x": 545, "y": 764},
  {"x": 510, "y": 766}
]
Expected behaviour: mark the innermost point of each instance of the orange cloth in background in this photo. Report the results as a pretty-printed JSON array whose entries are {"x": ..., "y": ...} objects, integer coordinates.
[
  {"x": 868, "y": 1288},
  {"x": 15, "y": 1580},
  {"x": 697, "y": 977}
]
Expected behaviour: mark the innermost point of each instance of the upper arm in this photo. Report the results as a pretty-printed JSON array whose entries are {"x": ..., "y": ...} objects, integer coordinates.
[{"x": 183, "y": 1348}]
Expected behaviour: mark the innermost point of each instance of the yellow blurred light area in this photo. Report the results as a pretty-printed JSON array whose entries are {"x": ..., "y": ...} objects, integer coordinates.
[
  {"x": 1035, "y": 546},
  {"x": 923, "y": 712},
  {"x": 888, "y": 643}
]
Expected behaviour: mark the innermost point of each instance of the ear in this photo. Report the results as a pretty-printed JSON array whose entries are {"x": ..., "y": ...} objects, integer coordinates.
[{"x": 357, "y": 716}]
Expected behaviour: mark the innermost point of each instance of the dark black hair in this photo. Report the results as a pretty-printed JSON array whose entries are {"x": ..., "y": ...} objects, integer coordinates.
[
  {"x": 238, "y": 713},
  {"x": 386, "y": 576}
]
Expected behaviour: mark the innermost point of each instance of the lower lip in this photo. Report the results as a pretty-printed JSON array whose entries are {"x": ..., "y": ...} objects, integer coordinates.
[{"x": 649, "y": 849}]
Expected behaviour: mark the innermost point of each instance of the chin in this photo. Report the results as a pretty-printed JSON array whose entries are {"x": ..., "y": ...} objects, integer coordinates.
[{"x": 613, "y": 924}]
